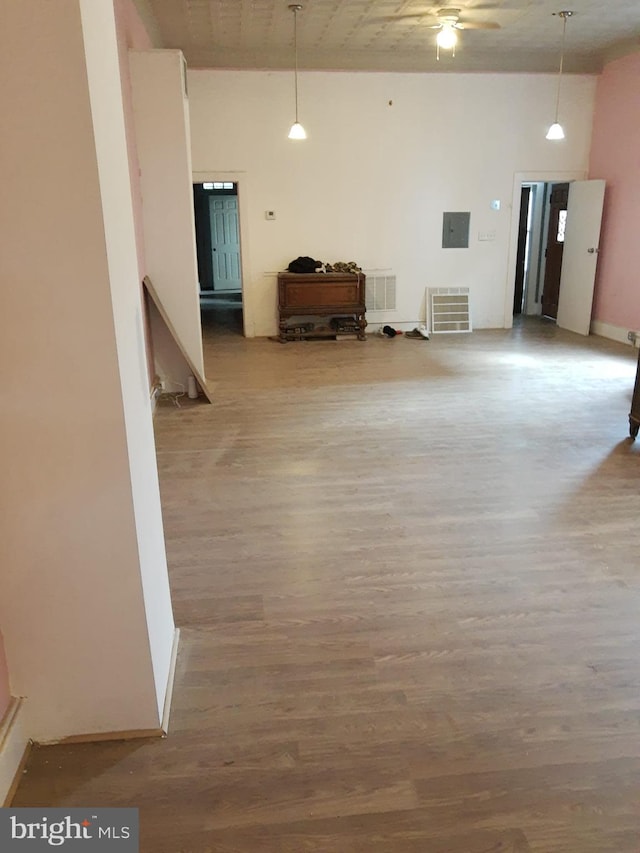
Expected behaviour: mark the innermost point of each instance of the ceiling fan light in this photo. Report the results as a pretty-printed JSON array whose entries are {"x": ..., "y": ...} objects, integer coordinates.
[
  {"x": 447, "y": 38},
  {"x": 297, "y": 131},
  {"x": 555, "y": 131}
]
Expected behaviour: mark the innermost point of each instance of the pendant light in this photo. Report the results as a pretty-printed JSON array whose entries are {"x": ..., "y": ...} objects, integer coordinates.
[
  {"x": 297, "y": 130},
  {"x": 556, "y": 131}
]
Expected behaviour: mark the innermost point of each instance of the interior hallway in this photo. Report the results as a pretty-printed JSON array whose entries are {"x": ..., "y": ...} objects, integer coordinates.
[
  {"x": 220, "y": 314},
  {"x": 406, "y": 577}
]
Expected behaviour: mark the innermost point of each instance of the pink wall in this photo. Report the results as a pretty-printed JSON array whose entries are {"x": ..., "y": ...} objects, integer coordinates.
[
  {"x": 615, "y": 156},
  {"x": 4, "y": 681},
  {"x": 131, "y": 33}
]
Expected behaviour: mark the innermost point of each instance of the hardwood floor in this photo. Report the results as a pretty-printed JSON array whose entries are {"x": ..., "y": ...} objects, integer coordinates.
[{"x": 406, "y": 574}]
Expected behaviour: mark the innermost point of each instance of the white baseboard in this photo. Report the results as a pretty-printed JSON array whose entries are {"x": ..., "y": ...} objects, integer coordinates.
[
  {"x": 14, "y": 747},
  {"x": 613, "y": 333}
]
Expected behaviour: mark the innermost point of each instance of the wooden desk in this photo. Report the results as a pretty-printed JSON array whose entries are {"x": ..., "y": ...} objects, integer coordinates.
[{"x": 321, "y": 305}]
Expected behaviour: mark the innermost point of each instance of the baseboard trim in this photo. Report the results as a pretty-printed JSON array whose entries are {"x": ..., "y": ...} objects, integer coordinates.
[
  {"x": 15, "y": 745},
  {"x": 132, "y": 734},
  {"x": 14, "y": 750},
  {"x": 613, "y": 333},
  {"x": 170, "y": 682}
]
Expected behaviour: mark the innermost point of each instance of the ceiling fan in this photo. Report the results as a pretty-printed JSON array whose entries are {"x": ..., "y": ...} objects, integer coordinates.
[{"x": 448, "y": 21}]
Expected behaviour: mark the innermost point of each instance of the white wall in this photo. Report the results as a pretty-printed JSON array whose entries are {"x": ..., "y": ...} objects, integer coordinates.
[
  {"x": 77, "y": 623},
  {"x": 372, "y": 181},
  {"x": 117, "y": 209},
  {"x": 161, "y": 113}
]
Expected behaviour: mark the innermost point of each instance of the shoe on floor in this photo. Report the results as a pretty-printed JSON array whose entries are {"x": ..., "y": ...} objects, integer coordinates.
[{"x": 416, "y": 333}]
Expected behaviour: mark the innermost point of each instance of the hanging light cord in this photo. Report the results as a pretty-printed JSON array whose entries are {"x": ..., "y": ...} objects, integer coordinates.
[
  {"x": 295, "y": 48},
  {"x": 564, "y": 29}
]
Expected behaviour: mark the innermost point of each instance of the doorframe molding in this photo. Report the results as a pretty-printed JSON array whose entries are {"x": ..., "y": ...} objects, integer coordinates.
[
  {"x": 520, "y": 178},
  {"x": 241, "y": 179},
  {"x": 522, "y": 228}
]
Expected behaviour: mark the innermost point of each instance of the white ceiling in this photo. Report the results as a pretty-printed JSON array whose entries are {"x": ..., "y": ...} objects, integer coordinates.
[{"x": 369, "y": 36}]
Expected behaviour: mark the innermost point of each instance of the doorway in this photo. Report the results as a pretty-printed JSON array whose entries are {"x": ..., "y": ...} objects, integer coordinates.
[
  {"x": 216, "y": 214},
  {"x": 538, "y": 263},
  {"x": 540, "y": 184},
  {"x": 529, "y": 266},
  {"x": 569, "y": 221}
]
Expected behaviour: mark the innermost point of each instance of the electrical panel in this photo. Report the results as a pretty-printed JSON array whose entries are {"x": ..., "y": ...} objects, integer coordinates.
[{"x": 455, "y": 230}]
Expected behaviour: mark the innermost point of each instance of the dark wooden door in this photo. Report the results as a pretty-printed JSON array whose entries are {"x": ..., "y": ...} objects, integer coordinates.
[
  {"x": 555, "y": 245},
  {"x": 518, "y": 294}
]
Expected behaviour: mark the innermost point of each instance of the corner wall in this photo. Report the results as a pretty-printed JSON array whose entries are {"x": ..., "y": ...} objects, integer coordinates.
[
  {"x": 161, "y": 120},
  {"x": 131, "y": 34},
  {"x": 88, "y": 642},
  {"x": 614, "y": 157},
  {"x": 113, "y": 161}
]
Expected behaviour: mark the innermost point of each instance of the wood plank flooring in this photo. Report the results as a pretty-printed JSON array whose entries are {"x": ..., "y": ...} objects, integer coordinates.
[{"x": 407, "y": 579}]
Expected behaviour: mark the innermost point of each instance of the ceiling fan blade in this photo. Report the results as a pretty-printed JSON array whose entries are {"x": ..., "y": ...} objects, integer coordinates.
[
  {"x": 416, "y": 16},
  {"x": 492, "y": 7},
  {"x": 479, "y": 25}
]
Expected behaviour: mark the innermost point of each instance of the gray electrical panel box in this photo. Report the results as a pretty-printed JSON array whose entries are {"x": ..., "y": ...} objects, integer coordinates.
[{"x": 455, "y": 230}]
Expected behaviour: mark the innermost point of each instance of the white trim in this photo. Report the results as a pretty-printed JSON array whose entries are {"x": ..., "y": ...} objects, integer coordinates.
[
  {"x": 170, "y": 682},
  {"x": 13, "y": 746},
  {"x": 613, "y": 333}
]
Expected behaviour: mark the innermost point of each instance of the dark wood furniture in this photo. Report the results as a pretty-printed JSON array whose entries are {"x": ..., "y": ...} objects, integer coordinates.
[
  {"x": 321, "y": 305},
  {"x": 634, "y": 414}
]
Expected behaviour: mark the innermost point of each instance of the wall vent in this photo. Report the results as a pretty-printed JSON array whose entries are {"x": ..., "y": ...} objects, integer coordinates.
[
  {"x": 449, "y": 309},
  {"x": 380, "y": 291}
]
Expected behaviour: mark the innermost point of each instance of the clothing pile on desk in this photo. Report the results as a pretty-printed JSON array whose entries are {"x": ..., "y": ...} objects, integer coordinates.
[{"x": 305, "y": 264}]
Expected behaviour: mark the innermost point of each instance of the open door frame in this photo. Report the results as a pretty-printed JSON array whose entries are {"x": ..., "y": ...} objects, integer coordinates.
[
  {"x": 520, "y": 178},
  {"x": 580, "y": 258},
  {"x": 241, "y": 179}
]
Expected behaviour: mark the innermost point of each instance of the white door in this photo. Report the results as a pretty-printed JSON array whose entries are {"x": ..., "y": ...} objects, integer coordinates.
[
  {"x": 580, "y": 255},
  {"x": 225, "y": 242}
]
